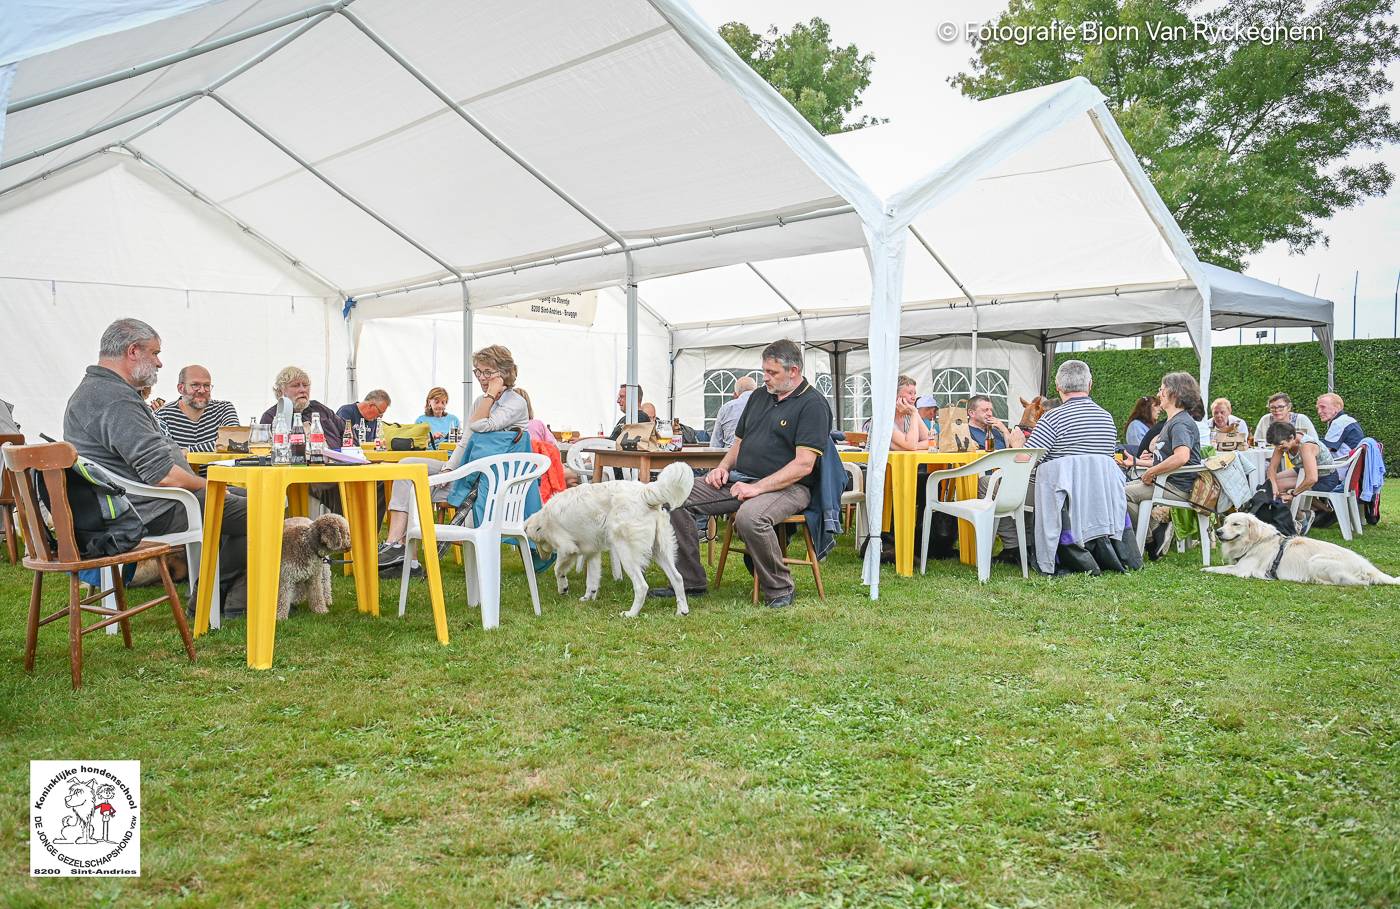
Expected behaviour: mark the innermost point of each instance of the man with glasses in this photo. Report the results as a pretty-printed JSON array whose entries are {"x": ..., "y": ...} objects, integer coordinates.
[
  {"x": 1281, "y": 411},
  {"x": 193, "y": 419},
  {"x": 365, "y": 414}
]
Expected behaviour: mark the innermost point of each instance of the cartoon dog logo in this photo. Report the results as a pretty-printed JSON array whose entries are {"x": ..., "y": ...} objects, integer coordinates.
[{"x": 88, "y": 802}]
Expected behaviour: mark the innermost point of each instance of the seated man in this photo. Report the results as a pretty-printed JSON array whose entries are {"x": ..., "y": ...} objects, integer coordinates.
[
  {"x": 981, "y": 423},
  {"x": 109, "y": 424},
  {"x": 622, "y": 406},
  {"x": 193, "y": 420},
  {"x": 927, "y": 405},
  {"x": 646, "y": 412},
  {"x": 1281, "y": 411},
  {"x": 1077, "y": 426},
  {"x": 1343, "y": 432},
  {"x": 293, "y": 382},
  {"x": 365, "y": 416},
  {"x": 722, "y": 435},
  {"x": 768, "y": 475}
]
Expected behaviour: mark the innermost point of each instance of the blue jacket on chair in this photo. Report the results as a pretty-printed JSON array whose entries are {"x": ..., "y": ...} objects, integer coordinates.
[
  {"x": 483, "y": 445},
  {"x": 823, "y": 514}
]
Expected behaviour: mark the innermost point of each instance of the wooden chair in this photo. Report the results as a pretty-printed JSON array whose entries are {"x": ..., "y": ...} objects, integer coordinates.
[
  {"x": 810, "y": 560},
  {"x": 7, "y": 502},
  {"x": 46, "y": 463}
]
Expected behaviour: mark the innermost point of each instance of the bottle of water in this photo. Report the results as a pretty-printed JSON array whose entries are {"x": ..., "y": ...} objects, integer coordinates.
[
  {"x": 316, "y": 442},
  {"x": 281, "y": 444}
]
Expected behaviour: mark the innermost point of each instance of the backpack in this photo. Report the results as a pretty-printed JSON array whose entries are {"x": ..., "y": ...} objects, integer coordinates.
[{"x": 105, "y": 522}]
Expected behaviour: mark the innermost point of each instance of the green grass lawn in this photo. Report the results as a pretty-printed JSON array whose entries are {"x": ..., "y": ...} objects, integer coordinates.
[{"x": 1162, "y": 739}]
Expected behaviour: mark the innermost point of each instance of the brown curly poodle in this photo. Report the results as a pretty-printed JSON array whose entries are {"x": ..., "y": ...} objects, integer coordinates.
[{"x": 306, "y": 575}]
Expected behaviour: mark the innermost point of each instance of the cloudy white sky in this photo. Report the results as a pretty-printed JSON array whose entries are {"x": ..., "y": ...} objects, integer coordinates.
[{"x": 910, "y": 81}]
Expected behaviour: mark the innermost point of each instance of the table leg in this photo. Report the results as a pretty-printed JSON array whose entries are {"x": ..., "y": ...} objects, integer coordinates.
[
  {"x": 299, "y": 500},
  {"x": 597, "y": 469},
  {"x": 265, "y": 496},
  {"x": 644, "y": 474},
  {"x": 214, "y": 495},
  {"x": 363, "y": 537},
  {"x": 346, "y": 568},
  {"x": 429, "y": 558},
  {"x": 965, "y": 488},
  {"x": 906, "y": 481}
]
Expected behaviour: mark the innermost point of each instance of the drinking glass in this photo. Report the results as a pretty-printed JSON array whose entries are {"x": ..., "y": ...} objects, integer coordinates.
[{"x": 260, "y": 440}]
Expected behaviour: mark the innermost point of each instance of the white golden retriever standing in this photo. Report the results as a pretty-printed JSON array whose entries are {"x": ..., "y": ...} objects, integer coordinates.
[
  {"x": 1254, "y": 548},
  {"x": 628, "y": 518}
]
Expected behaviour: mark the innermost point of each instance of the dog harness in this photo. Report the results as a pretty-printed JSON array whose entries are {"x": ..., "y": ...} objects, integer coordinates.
[{"x": 1278, "y": 559}]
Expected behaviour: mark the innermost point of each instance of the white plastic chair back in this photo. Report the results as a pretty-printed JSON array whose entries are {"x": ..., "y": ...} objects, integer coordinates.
[
  {"x": 1013, "y": 467},
  {"x": 508, "y": 479},
  {"x": 581, "y": 462},
  {"x": 857, "y": 478}
]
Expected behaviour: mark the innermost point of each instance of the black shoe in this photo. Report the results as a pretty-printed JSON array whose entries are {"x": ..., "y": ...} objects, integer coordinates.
[
  {"x": 781, "y": 602},
  {"x": 666, "y": 593},
  {"x": 1157, "y": 541},
  {"x": 390, "y": 554}
]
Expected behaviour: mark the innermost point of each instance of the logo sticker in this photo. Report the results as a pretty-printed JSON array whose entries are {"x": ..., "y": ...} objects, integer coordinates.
[
  {"x": 85, "y": 818},
  {"x": 782, "y": 422}
]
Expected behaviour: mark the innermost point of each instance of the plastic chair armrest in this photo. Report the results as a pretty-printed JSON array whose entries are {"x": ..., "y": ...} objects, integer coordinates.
[{"x": 193, "y": 518}]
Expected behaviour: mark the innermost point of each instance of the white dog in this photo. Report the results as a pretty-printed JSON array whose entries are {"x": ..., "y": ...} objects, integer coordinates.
[
  {"x": 1254, "y": 547},
  {"x": 630, "y": 519}
]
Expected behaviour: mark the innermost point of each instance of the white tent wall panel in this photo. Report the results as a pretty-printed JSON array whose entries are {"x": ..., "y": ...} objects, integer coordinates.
[
  {"x": 693, "y": 365},
  {"x": 571, "y": 373},
  {"x": 115, "y": 221},
  {"x": 244, "y": 339},
  {"x": 1021, "y": 362}
]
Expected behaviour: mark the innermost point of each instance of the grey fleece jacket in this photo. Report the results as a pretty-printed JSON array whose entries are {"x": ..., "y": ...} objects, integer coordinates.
[{"x": 109, "y": 424}]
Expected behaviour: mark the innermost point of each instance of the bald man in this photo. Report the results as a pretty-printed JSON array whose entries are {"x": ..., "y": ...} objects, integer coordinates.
[
  {"x": 722, "y": 435},
  {"x": 194, "y": 418},
  {"x": 1343, "y": 432}
]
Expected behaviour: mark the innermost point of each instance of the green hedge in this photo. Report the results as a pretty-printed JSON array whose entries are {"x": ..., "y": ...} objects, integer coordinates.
[{"x": 1367, "y": 373}]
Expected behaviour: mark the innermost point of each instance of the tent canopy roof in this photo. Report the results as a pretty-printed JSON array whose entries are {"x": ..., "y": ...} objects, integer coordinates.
[{"x": 377, "y": 156}]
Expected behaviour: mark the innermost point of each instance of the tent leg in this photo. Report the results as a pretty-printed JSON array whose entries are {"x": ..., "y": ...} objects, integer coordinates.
[
  {"x": 466, "y": 349},
  {"x": 633, "y": 402}
]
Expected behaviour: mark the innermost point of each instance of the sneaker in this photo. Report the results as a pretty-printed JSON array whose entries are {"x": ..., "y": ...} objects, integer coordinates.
[
  {"x": 666, "y": 593},
  {"x": 390, "y": 554},
  {"x": 781, "y": 602}
]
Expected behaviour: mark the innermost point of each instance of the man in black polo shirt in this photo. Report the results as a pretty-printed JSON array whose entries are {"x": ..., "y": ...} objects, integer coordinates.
[{"x": 767, "y": 476}]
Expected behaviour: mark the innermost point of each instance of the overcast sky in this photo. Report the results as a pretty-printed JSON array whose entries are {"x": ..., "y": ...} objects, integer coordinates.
[{"x": 910, "y": 80}]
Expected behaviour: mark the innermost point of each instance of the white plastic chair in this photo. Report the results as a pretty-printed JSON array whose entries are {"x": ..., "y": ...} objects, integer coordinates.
[
  {"x": 192, "y": 538},
  {"x": 1005, "y": 497},
  {"x": 581, "y": 462},
  {"x": 1162, "y": 494},
  {"x": 856, "y": 496},
  {"x": 1343, "y": 502},
  {"x": 507, "y": 479}
]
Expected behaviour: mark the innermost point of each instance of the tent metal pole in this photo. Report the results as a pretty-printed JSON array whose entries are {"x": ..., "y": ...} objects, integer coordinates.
[
  {"x": 236, "y": 72},
  {"x": 292, "y": 260},
  {"x": 467, "y": 319},
  {"x": 351, "y": 356},
  {"x": 311, "y": 169},
  {"x": 781, "y": 296},
  {"x": 633, "y": 398},
  {"x": 609, "y": 251},
  {"x": 671, "y": 355},
  {"x": 100, "y": 128},
  {"x": 170, "y": 59},
  {"x": 838, "y": 369},
  {"x": 962, "y": 287},
  {"x": 54, "y": 171}
]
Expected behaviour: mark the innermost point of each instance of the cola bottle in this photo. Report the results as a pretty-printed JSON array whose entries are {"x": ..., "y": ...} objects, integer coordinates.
[{"x": 316, "y": 442}]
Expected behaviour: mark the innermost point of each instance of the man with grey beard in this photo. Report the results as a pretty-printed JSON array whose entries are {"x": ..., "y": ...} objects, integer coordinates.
[
  {"x": 109, "y": 424},
  {"x": 193, "y": 419}
]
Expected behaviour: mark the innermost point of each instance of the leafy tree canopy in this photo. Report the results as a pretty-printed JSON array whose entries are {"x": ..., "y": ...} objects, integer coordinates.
[
  {"x": 1245, "y": 136},
  {"x": 822, "y": 81}
]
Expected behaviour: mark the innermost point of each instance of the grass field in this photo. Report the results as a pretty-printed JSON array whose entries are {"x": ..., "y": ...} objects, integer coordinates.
[{"x": 1161, "y": 739}]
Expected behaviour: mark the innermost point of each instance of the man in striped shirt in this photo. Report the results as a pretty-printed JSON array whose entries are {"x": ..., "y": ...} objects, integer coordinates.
[
  {"x": 1078, "y": 426},
  {"x": 193, "y": 420}
]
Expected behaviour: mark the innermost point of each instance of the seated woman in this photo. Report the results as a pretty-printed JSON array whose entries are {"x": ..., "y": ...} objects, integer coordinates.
[
  {"x": 910, "y": 433},
  {"x": 1293, "y": 467},
  {"x": 501, "y": 406},
  {"x": 440, "y": 422},
  {"x": 1180, "y": 444},
  {"x": 1143, "y": 416}
]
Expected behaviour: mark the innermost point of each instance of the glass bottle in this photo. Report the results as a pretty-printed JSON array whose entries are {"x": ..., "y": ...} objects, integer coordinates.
[{"x": 316, "y": 442}]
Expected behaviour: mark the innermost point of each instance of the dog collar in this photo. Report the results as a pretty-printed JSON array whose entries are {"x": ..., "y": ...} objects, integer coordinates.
[{"x": 1278, "y": 559}]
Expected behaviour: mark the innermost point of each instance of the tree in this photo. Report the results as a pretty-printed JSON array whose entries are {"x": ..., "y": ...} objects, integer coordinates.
[
  {"x": 822, "y": 81},
  {"x": 1244, "y": 135}
]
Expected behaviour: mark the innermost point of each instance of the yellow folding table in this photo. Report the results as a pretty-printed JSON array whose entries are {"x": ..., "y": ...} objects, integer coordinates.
[{"x": 268, "y": 488}]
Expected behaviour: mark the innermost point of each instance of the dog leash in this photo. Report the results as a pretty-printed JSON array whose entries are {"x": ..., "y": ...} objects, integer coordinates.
[{"x": 1278, "y": 559}]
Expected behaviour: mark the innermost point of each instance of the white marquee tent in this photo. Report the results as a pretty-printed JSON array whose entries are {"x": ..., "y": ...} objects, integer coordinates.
[{"x": 345, "y": 159}]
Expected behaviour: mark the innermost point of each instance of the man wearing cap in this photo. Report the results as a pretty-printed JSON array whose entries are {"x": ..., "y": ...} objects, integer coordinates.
[{"x": 927, "y": 405}]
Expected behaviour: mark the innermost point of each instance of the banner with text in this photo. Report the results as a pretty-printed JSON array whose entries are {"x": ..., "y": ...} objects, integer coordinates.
[{"x": 571, "y": 309}]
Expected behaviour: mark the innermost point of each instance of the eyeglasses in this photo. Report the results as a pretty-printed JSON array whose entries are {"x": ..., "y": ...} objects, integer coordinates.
[
  {"x": 1278, "y": 406},
  {"x": 485, "y": 373},
  {"x": 197, "y": 385}
]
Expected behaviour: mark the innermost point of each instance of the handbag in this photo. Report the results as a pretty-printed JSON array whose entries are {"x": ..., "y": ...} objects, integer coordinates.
[{"x": 406, "y": 436}]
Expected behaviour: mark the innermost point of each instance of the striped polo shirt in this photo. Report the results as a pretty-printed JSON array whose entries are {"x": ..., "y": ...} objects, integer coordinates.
[
  {"x": 1076, "y": 427},
  {"x": 200, "y": 436}
]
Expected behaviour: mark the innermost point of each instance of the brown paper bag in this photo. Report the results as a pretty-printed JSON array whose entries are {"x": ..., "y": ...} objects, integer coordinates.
[
  {"x": 1229, "y": 441},
  {"x": 232, "y": 438},
  {"x": 638, "y": 437},
  {"x": 952, "y": 428}
]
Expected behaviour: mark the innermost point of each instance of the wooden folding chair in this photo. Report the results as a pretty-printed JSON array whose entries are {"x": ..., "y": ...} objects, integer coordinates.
[
  {"x": 46, "y": 463},
  {"x": 810, "y": 561}
]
